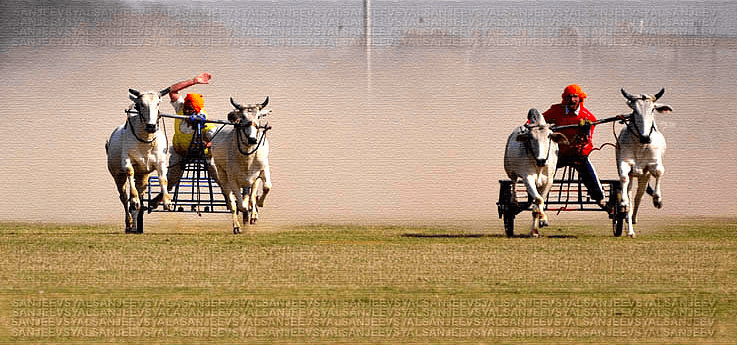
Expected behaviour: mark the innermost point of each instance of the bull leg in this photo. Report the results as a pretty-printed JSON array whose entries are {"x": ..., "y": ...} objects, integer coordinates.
[
  {"x": 230, "y": 201},
  {"x": 657, "y": 195},
  {"x": 141, "y": 183},
  {"x": 625, "y": 176},
  {"x": 134, "y": 200},
  {"x": 546, "y": 189},
  {"x": 538, "y": 204},
  {"x": 251, "y": 203},
  {"x": 121, "y": 182},
  {"x": 238, "y": 202},
  {"x": 266, "y": 179},
  {"x": 164, "y": 182},
  {"x": 642, "y": 181}
]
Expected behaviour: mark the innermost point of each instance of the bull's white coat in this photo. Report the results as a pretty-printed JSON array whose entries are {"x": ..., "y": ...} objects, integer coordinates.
[
  {"x": 241, "y": 159},
  {"x": 531, "y": 155},
  {"x": 640, "y": 149},
  {"x": 134, "y": 150}
]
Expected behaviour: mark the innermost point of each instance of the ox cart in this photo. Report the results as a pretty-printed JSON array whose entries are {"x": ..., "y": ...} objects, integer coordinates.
[
  {"x": 197, "y": 191},
  {"x": 567, "y": 194}
]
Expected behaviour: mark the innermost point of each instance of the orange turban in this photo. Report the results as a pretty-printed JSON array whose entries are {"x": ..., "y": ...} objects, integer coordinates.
[
  {"x": 573, "y": 89},
  {"x": 195, "y": 100}
]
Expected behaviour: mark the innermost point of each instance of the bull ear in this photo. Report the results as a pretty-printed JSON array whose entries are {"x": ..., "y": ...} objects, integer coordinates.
[
  {"x": 233, "y": 116},
  {"x": 627, "y": 95},
  {"x": 164, "y": 92},
  {"x": 134, "y": 93},
  {"x": 559, "y": 138},
  {"x": 236, "y": 105},
  {"x": 263, "y": 105},
  {"x": 663, "y": 108},
  {"x": 659, "y": 94}
]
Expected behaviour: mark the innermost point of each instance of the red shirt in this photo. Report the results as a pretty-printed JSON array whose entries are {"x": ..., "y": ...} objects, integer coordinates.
[{"x": 579, "y": 145}]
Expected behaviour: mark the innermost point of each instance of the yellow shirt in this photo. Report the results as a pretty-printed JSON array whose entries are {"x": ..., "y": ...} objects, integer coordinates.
[{"x": 183, "y": 131}]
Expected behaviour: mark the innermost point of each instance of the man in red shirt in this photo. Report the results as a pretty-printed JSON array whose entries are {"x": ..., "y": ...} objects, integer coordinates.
[{"x": 576, "y": 154}]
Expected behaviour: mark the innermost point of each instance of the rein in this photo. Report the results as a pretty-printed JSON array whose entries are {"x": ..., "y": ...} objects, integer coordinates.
[
  {"x": 636, "y": 132},
  {"x": 239, "y": 139},
  {"x": 529, "y": 149},
  {"x": 133, "y": 129}
]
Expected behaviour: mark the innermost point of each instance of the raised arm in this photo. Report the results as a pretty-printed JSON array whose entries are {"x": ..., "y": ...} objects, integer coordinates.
[{"x": 203, "y": 78}]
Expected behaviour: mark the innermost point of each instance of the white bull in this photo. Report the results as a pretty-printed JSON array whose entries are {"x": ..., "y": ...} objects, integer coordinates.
[
  {"x": 134, "y": 150},
  {"x": 531, "y": 155},
  {"x": 240, "y": 154},
  {"x": 640, "y": 149}
]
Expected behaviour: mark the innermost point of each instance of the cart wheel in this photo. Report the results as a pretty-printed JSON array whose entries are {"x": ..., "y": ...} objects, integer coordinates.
[
  {"x": 618, "y": 224},
  {"x": 509, "y": 223}
]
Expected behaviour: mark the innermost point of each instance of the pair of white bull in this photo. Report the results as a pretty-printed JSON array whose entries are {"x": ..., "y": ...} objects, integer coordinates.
[
  {"x": 239, "y": 155},
  {"x": 531, "y": 155}
]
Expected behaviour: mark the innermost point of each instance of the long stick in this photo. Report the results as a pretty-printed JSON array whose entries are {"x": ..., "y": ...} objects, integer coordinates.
[
  {"x": 222, "y": 122},
  {"x": 608, "y": 119}
]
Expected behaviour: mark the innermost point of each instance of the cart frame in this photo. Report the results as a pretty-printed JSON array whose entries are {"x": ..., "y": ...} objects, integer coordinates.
[
  {"x": 197, "y": 191},
  {"x": 567, "y": 194}
]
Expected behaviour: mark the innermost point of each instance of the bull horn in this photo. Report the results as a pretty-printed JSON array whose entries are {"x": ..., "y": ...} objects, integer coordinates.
[
  {"x": 134, "y": 92},
  {"x": 236, "y": 105},
  {"x": 626, "y": 95},
  {"x": 659, "y": 94},
  {"x": 164, "y": 92},
  {"x": 263, "y": 105}
]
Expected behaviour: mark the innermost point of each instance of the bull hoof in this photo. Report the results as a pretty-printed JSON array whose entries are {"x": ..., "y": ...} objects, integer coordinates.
[
  {"x": 657, "y": 203},
  {"x": 155, "y": 202},
  {"x": 632, "y": 235},
  {"x": 236, "y": 230}
]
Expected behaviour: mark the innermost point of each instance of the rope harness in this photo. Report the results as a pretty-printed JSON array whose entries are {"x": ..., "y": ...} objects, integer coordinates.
[
  {"x": 636, "y": 131},
  {"x": 239, "y": 129},
  {"x": 529, "y": 148},
  {"x": 140, "y": 117}
]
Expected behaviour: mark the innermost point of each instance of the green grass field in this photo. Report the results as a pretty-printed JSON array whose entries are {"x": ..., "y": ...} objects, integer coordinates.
[{"x": 674, "y": 284}]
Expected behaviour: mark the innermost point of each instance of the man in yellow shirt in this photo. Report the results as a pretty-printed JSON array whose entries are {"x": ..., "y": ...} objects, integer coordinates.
[{"x": 191, "y": 105}]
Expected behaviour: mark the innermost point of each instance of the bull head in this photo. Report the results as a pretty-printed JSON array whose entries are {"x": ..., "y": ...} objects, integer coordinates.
[
  {"x": 643, "y": 107},
  {"x": 245, "y": 118},
  {"x": 147, "y": 106},
  {"x": 540, "y": 138}
]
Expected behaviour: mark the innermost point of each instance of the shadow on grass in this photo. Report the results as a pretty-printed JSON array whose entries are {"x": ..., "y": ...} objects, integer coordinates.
[{"x": 417, "y": 235}]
